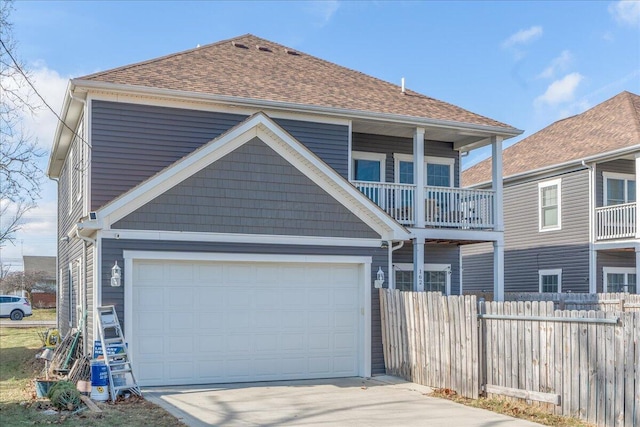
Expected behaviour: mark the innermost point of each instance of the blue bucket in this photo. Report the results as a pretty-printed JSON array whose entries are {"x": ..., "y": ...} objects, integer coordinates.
[{"x": 99, "y": 373}]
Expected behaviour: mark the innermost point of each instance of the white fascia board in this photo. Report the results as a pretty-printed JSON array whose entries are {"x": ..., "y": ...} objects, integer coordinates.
[
  {"x": 262, "y": 103},
  {"x": 235, "y": 257},
  {"x": 448, "y": 234},
  {"x": 291, "y": 150},
  {"x": 618, "y": 244},
  {"x": 72, "y": 109},
  {"x": 267, "y": 239}
]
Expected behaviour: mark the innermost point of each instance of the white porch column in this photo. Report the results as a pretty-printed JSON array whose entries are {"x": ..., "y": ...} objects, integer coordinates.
[
  {"x": 418, "y": 264},
  {"x": 637, "y": 196},
  {"x": 498, "y": 270},
  {"x": 496, "y": 181},
  {"x": 593, "y": 254},
  {"x": 637, "y": 248},
  {"x": 418, "y": 175}
]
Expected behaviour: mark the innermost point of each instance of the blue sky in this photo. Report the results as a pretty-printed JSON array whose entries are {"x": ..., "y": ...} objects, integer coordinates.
[{"x": 527, "y": 64}]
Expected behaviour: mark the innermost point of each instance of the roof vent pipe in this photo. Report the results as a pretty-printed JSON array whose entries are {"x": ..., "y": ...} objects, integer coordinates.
[{"x": 403, "y": 86}]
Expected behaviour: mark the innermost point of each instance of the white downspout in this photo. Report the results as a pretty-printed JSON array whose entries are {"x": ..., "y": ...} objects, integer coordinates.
[
  {"x": 593, "y": 281},
  {"x": 392, "y": 277}
]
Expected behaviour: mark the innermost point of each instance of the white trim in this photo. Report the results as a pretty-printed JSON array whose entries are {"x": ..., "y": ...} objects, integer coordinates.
[
  {"x": 616, "y": 270},
  {"x": 625, "y": 177},
  {"x": 406, "y": 266},
  {"x": 70, "y": 174},
  {"x": 365, "y": 283},
  {"x": 349, "y": 148},
  {"x": 280, "y": 141},
  {"x": 376, "y": 157},
  {"x": 97, "y": 286},
  {"x": 545, "y": 184},
  {"x": 550, "y": 272},
  {"x": 271, "y": 239}
]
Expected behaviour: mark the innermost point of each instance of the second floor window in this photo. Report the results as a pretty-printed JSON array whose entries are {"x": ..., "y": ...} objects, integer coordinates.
[
  {"x": 368, "y": 167},
  {"x": 549, "y": 202},
  {"x": 619, "y": 188}
]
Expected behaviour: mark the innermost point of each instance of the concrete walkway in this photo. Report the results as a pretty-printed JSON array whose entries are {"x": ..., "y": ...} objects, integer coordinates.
[
  {"x": 381, "y": 401},
  {"x": 7, "y": 323}
]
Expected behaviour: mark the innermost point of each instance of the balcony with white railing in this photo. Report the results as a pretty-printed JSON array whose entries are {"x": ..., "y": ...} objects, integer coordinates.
[
  {"x": 444, "y": 207},
  {"x": 616, "y": 222}
]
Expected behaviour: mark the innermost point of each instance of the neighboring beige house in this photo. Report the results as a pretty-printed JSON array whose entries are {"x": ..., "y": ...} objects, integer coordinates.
[{"x": 570, "y": 205}]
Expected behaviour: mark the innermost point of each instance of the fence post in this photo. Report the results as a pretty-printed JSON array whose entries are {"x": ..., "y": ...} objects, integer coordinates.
[{"x": 482, "y": 366}]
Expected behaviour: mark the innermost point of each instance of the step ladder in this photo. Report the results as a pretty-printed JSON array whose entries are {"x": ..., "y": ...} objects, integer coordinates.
[{"x": 118, "y": 365}]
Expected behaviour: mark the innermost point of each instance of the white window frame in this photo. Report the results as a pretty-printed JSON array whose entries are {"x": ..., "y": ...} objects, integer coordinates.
[
  {"x": 403, "y": 266},
  {"x": 440, "y": 161},
  {"x": 70, "y": 292},
  {"x": 618, "y": 176},
  {"x": 400, "y": 157},
  {"x": 616, "y": 270},
  {"x": 550, "y": 272},
  {"x": 364, "y": 155},
  {"x": 81, "y": 159},
  {"x": 545, "y": 184}
]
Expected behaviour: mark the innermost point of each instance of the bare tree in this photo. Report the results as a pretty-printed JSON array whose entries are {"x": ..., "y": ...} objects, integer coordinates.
[
  {"x": 20, "y": 175},
  {"x": 28, "y": 281}
]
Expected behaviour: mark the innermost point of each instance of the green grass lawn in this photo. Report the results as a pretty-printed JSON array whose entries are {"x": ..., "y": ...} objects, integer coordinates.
[
  {"x": 42, "y": 314},
  {"x": 18, "y": 406}
]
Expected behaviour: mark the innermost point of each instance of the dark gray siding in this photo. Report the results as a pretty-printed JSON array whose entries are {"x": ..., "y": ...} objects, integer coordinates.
[
  {"x": 390, "y": 145},
  {"x": 477, "y": 267},
  {"x": 615, "y": 166},
  {"x": 328, "y": 141},
  {"x": 434, "y": 254},
  {"x": 612, "y": 259},
  {"x": 528, "y": 250},
  {"x": 251, "y": 191},
  {"x": 69, "y": 251},
  {"x": 132, "y": 142},
  {"x": 112, "y": 250}
]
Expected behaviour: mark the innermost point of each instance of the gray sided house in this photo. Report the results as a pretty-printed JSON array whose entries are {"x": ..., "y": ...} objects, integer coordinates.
[
  {"x": 570, "y": 206},
  {"x": 253, "y": 222}
]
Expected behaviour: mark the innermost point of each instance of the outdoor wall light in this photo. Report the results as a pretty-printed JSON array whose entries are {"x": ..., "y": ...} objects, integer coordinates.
[
  {"x": 379, "y": 278},
  {"x": 116, "y": 278}
]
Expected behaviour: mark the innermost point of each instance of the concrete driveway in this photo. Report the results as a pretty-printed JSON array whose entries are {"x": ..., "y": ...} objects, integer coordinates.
[{"x": 380, "y": 401}]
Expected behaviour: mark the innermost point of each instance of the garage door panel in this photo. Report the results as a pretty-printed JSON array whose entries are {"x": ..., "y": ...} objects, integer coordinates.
[{"x": 237, "y": 322}]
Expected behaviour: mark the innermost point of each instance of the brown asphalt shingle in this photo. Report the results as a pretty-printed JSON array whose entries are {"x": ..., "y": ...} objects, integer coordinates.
[
  {"x": 275, "y": 75},
  {"x": 611, "y": 125}
]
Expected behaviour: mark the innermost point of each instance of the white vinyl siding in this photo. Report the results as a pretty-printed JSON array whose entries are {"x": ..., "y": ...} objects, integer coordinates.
[{"x": 550, "y": 205}]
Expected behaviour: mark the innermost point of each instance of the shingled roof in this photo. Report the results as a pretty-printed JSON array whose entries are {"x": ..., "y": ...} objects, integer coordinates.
[
  {"x": 254, "y": 68},
  {"x": 609, "y": 126}
]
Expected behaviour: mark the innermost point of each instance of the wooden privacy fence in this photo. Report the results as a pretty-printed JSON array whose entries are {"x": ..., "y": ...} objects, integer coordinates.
[
  {"x": 578, "y": 363},
  {"x": 577, "y": 301},
  {"x": 584, "y": 364},
  {"x": 431, "y": 340}
]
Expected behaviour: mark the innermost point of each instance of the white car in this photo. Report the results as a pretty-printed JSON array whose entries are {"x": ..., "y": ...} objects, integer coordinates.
[{"x": 14, "y": 307}]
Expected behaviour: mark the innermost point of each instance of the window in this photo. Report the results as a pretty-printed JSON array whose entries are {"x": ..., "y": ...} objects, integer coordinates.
[
  {"x": 70, "y": 295},
  {"x": 549, "y": 201},
  {"x": 437, "y": 277},
  {"x": 619, "y": 279},
  {"x": 81, "y": 160},
  {"x": 550, "y": 280},
  {"x": 368, "y": 166},
  {"x": 438, "y": 170},
  {"x": 70, "y": 173},
  {"x": 618, "y": 188}
]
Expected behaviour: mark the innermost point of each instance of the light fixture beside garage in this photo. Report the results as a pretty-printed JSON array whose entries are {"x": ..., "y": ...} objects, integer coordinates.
[
  {"x": 379, "y": 278},
  {"x": 116, "y": 278}
]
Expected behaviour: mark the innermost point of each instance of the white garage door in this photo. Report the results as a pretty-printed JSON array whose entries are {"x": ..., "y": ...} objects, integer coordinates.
[{"x": 215, "y": 322}]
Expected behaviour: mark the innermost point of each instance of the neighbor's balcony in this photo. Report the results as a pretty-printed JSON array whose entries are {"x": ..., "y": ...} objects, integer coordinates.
[
  {"x": 444, "y": 207},
  {"x": 616, "y": 222}
]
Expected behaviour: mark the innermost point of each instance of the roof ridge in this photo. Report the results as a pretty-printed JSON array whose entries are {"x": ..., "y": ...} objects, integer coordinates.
[
  {"x": 634, "y": 111},
  {"x": 161, "y": 58}
]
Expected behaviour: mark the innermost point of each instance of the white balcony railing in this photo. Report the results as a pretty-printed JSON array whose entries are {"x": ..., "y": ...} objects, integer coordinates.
[
  {"x": 616, "y": 222},
  {"x": 459, "y": 207},
  {"x": 396, "y": 199},
  {"x": 444, "y": 206}
]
